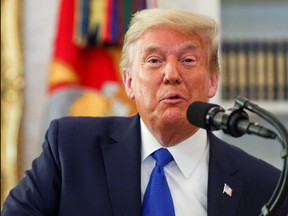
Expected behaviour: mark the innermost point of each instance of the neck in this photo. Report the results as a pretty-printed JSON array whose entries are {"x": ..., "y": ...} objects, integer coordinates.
[{"x": 171, "y": 135}]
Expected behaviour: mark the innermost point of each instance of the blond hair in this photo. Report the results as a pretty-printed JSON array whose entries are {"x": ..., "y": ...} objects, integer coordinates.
[{"x": 186, "y": 22}]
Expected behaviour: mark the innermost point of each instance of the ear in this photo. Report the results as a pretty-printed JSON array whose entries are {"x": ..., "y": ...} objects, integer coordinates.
[
  {"x": 213, "y": 84},
  {"x": 127, "y": 79}
]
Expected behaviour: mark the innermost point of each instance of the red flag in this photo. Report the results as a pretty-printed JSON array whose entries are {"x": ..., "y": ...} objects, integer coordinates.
[
  {"x": 85, "y": 80},
  {"x": 74, "y": 65}
]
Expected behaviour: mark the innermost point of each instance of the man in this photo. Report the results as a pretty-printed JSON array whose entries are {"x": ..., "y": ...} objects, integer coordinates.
[{"x": 102, "y": 166}]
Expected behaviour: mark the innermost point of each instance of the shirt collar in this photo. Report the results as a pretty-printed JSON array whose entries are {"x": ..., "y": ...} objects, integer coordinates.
[{"x": 187, "y": 154}]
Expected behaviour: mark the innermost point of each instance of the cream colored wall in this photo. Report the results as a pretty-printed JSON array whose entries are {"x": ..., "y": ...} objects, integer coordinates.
[{"x": 39, "y": 19}]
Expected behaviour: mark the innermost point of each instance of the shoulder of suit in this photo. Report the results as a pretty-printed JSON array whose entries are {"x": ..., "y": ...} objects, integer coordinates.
[
  {"x": 88, "y": 120},
  {"x": 85, "y": 123},
  {"x": 234, "y": 154}
]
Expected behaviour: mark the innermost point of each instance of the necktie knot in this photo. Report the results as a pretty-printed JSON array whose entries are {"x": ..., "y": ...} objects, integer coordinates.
[{"x": 162, "y": 157}]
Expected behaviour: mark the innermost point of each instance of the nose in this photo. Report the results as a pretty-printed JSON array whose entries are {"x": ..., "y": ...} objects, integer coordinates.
[{"x": 171, "y": 74}]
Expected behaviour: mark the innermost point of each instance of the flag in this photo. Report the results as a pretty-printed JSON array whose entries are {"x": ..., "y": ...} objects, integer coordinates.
[
  {"x": 84, "y": 78},
  {"x": 227, "y": 190}
]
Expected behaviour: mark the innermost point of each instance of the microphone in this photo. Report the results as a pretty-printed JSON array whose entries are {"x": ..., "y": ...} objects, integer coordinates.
[{"x": 234, "y": 122}]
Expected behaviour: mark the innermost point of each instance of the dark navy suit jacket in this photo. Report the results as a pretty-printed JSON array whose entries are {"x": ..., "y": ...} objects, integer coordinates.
[{"x": 91, "y": 166}]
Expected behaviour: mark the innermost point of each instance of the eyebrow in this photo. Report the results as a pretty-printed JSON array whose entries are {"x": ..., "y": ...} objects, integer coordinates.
[
  {"x": 188, "y": 46},
  {"x": 182, "y": 48},
  {"x": 152, "y": 49}
]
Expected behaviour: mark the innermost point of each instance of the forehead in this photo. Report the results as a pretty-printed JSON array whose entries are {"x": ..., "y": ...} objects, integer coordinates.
[{"x": 169, "y": 39}]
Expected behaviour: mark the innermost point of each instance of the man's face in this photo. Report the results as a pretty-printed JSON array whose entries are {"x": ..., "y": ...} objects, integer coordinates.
[{"x": 170, "y": 71}]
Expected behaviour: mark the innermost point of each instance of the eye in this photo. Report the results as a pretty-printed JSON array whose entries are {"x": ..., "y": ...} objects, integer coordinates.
[
  {"x": 153, "y": 60},
  {"x": 189, "y": 60}
]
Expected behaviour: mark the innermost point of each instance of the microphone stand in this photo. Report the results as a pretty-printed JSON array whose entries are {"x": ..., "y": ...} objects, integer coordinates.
[{"x": 281, "y": 189}]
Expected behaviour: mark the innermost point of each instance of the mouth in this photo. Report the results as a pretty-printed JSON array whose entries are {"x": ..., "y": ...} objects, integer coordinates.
[{"x": 173, "y": 98}]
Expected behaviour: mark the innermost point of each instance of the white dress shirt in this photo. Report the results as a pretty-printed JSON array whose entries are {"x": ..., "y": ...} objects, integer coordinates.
[{"x": 187, "y": 175}]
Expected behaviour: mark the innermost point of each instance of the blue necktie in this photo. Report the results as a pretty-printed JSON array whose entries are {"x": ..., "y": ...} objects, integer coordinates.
[{"x": 157, "y": 199}]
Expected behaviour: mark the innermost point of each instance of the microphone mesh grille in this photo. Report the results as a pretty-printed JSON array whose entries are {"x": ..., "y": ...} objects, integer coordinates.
[{"x": 197, "y": 112}]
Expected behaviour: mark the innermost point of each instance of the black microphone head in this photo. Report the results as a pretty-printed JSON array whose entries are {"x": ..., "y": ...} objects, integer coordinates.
[{"x": 197, "y": 114}]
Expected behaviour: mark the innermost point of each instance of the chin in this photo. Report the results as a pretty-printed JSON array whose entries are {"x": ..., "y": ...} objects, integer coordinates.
[{"x": 174, "y": 117}]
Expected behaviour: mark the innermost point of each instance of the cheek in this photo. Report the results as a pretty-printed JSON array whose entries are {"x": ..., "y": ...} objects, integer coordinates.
[
  {"x": 198, "y": 86},
  {"x": 145, "y": 92},
  {"x": 141, "y": 87},
  {"x": 147, "y": 81},
  {"x": 145, "y": 89},
  {"x": 199, "y": 81}
]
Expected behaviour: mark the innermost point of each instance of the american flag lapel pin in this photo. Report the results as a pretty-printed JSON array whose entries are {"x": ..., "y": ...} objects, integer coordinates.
[{"x": 227, "y": 190}]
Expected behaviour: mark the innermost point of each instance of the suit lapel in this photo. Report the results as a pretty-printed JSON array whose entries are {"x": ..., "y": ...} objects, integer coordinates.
[
  {"x": 222, "y": 170},
  {"x": 122, "y": 164}
]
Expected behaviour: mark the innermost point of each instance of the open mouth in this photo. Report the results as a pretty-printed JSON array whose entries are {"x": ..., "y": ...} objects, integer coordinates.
[{"x": 174, "y": 97}]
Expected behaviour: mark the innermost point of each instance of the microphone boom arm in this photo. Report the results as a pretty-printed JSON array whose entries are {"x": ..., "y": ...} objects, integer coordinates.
[{"x": 281, "y": 190}]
